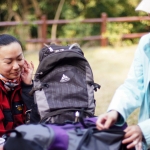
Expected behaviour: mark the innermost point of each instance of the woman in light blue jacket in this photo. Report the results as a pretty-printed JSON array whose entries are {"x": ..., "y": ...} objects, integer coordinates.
[{"x": 134, "y": 93}]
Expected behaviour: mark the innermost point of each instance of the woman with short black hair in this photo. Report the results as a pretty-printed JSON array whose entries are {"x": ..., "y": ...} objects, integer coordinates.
[{"x": 15, "y": 83}]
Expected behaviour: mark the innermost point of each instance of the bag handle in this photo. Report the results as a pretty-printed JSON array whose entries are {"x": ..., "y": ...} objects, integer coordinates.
[{"x": 74, "y": 45}]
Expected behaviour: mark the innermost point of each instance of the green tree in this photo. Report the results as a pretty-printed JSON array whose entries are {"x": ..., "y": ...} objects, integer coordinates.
[{"x": 19, "y": 10}]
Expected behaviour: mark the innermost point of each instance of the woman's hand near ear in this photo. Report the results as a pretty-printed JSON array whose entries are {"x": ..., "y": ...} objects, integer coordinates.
[{"x": 27, "y": 73}]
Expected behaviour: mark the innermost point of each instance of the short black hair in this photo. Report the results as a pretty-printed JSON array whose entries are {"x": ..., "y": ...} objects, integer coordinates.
[{"x": 6, "y": 39}]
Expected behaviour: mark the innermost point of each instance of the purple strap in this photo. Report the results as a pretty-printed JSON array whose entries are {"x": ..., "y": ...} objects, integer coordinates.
[{"x": 61, "y": 139}]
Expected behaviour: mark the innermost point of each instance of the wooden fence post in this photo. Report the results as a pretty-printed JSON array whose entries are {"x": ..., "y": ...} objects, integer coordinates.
[
  {"x": 103, "y": 29},
  {"x": 44, "y": 29}
]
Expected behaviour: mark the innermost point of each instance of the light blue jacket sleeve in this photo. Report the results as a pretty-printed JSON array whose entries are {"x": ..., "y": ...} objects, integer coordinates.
[
  {"x": 132, "y": 93},
  {"x": 129, "y": 96}
]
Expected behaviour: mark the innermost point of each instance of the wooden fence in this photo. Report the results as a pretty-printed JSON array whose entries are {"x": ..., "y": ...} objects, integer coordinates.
[{"x": 103, "y": 20}]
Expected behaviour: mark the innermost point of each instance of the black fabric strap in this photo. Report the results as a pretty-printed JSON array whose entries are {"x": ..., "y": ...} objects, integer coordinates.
[
  {"x": 58, "y": 112},
  {"x": 85, "y": 139}
]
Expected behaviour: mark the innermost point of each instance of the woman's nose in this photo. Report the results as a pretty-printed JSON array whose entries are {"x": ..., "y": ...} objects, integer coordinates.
[{"x": 15, "y": 65}]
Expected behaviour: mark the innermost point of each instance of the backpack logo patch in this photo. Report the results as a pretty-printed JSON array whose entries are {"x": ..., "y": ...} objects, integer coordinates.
[{"x": 64, "y": 78}]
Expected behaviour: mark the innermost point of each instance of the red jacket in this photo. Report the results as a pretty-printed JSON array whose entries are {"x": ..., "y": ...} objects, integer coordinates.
[{"x": 12, "y": 109}]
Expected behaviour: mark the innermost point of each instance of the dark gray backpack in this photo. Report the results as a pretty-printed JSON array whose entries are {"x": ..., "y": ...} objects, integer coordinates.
[
  {"x": 65, "y": 137},
  {"x": 63, "y": 84}
]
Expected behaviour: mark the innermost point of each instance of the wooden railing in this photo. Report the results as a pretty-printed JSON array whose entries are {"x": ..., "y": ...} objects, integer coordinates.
[{"x": 44, "y": 23}]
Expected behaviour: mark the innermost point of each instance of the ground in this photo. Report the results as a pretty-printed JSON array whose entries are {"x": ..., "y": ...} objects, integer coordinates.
[{"x": 110, "y": 68}]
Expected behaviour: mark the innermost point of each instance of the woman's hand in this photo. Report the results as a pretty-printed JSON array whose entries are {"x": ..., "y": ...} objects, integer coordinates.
[
  {"x": 133, "y": 137},
  {"x": 106, "y": 120},
  {"x": 27, "y": 72}
]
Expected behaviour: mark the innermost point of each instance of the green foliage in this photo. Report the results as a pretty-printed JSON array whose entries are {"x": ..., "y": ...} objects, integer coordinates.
[
  {"x": 14, "y": 10},
  {"x": 71, "y": 31},
  {"x": 17, "y": 32},
  {"x": 115, "y": 31},
  {"x": 77, "y": 29},
  {"x": 146, "y": 24}
]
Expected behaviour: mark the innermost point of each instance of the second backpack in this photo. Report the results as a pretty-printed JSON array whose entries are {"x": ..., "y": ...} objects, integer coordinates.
[{"x": 63, "y": 84}]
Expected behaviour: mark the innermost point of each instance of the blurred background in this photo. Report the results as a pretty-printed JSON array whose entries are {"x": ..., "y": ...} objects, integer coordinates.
[{"x": 108, "y": 31}]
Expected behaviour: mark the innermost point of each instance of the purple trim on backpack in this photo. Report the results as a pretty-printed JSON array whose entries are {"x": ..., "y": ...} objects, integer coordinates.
[
  {"x": 93, "y": 119},
  {"x": 61, "y": 139}
]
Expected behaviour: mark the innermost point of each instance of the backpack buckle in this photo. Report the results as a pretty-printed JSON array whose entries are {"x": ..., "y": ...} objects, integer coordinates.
[{"x": 27, "y": 114}]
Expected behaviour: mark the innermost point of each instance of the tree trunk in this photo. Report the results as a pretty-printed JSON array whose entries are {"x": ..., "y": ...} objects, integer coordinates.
[
  {"x": 38, "y": 13},
  {"x": 37, "y": 9},
  {"x": 57, "y": 15},
  {"x": 12, "y": 13},
  {"x": 25, "y": 9}
]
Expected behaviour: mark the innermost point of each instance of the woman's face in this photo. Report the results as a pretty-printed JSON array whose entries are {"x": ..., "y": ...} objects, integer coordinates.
[{"x": 11, "y": 60}]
